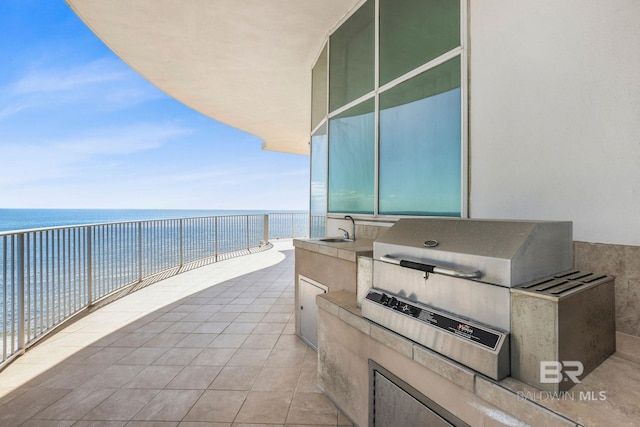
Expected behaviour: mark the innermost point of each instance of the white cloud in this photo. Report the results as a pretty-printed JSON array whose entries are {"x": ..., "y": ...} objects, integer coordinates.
[
  {"x": 71, "y": 78},
  {"x": 104, "y": 84},
  {"x": 56, "y": 159}
]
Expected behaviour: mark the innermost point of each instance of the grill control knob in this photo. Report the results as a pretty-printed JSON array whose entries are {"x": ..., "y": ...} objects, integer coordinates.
[{"x": 384, "y": 300}]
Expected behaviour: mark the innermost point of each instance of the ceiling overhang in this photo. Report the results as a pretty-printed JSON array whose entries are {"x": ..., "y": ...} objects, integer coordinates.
[{"x": 245, "y": 63}]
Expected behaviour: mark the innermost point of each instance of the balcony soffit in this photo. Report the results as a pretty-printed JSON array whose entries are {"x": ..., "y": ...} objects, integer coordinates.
[{"x": 245, "y": 63}]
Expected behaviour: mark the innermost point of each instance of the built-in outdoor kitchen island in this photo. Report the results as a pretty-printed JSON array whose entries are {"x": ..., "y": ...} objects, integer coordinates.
[{"x": 395, "y": 349}]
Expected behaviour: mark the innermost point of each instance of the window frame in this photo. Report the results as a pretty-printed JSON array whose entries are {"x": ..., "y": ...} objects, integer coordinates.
[{"x": 461, "y": 51}]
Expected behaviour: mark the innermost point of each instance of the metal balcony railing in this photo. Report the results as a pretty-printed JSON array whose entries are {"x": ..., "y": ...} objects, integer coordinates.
[{"x": 50, "y": 275}]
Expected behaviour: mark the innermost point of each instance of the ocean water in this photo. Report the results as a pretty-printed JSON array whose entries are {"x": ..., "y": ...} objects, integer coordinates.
[{"x": 24, "y": 219}]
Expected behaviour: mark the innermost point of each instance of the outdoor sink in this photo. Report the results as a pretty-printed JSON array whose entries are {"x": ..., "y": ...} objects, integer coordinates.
[{"x": 337, "y": 240}]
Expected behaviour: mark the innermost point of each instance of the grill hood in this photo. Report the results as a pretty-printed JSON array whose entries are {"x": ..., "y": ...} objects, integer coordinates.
[{"x": 506, "y": 253}]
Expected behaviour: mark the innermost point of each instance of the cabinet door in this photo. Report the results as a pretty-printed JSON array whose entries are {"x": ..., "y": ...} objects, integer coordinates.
[{"x": 309, "y": 310}]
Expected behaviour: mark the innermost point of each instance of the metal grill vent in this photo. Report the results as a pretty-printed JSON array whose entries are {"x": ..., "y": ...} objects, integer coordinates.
[{"x": 565, "y": 283}]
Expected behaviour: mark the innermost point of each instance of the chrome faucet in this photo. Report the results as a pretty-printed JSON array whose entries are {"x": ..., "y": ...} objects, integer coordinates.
[
  {"x": 353, "y": 227},
  {"x": 346, "y": 233}
]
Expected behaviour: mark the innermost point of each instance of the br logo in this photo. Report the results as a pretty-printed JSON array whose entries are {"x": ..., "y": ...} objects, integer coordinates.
[{"x": 551, "y": 371}]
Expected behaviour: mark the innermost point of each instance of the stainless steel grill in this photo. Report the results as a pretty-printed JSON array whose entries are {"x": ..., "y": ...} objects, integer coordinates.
[{"x": 447, "y": 284}]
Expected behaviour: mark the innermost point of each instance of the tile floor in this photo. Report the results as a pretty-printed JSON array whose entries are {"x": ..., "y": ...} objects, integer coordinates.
[{"x": 213, "y": 346}]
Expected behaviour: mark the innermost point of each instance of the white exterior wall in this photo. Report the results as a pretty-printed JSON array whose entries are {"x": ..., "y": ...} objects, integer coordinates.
[{"x": 555, "y": 114}]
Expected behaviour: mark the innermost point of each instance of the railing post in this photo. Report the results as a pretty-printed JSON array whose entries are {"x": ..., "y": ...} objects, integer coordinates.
[
  {"x": 139, "y": 251},
  {"x": 89, "y": 267},
  {"x": 266, "y": 228},
  {"x": 293, "y": 231},
  {"x": 248, "y": 244},
  {"x": 181, "y": 243},
  {"x": 216, "y": 237},
  {"x": 20, "y": 283}
]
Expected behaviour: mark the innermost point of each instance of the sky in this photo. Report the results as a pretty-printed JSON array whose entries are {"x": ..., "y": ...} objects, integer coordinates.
[{"x": 80, "y": 129}]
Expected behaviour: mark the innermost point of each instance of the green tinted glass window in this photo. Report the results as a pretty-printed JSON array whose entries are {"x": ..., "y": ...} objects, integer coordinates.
[
  {"x": 319, "y": 89},
  {"x": 420, "y": 144},
  {"x": 351, "y": 58},
  {"x": 352, "y": 160},
  {"x": 413, "y": 32}
]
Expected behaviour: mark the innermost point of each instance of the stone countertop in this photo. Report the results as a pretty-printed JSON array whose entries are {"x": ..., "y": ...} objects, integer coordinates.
[
  {"x": 608, "y": 396},
  {"x": 349, "y": 251}
]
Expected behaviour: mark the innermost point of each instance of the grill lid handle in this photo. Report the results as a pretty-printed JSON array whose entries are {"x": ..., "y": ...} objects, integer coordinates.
[{"x": 428, "y": 268}]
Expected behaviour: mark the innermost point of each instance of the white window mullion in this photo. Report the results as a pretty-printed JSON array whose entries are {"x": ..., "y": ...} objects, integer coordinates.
[{"x": 376, "y": 108}]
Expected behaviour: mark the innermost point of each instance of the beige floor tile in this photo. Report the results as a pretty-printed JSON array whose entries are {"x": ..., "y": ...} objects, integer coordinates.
[
  {"x": 74, "y": 405},
  {"x": 260, "y": 341},
  {"x": 169, "y": 405},
  {"x": 154, "y": 377},
  {"x": 269, "y": 328},
  {"x": 185, "y": 308},
  {"x": 142, "y": 356},
  {"x": 258, "y": 308},
  {"x": 197, "y": 316},
  {"x": 121, "y": 405},
  {"x": 233, "y": 308},
  {"x": 134, "y": 339},
  {"x": 265, "y": 408},
  {"x": 286, "y": 301},
  {"x": 30, "y": 403},
  {"x": 217, "y": 405},
  {"x": 213, "y": 357},
  {"x": 243, "y": 300},
  {"x": 224, "y": 317},
  {"x": 291, "y": 342},
  {"x": 107, "y": 356},
  {"x": 281, "y": 308},
  {"x": 155, "y": 326},
  {"x": 249, "y": 357},
  {"x": 222, "y": 301},
  {"x": 312, "y": 408},
  {"x": 276, "y": 317},
  {"x": 277, "y": 379},
  {"x": 151, "y": 424},
  {"x": 178, "y": 356},
  {"x": 72, "y": 376},
  {"x": 284, "y": 358},
  {"x": 196, "y": 340},
  {"x": 211, "y": 327},
  {"x": 100, "y": 424},
  {"x": 260, "y": 425},
  {"x": 249, "y": 317},
  {"x": 183, "y": 327},
  {"x": 228, "y": 340},
  {"x": 114, "y": 376},
  {"x": 164, "y": 340},
  {"x": 202, "y": 424},
  {"x": 236, "y": 378},
  {"x": 194, "y": 378},
  {"x": 172, "y": 317},
  {"x": 213, "y": 307},
  {"x": 240, "y": 328},
  {"x": 48, "y": 423}
]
